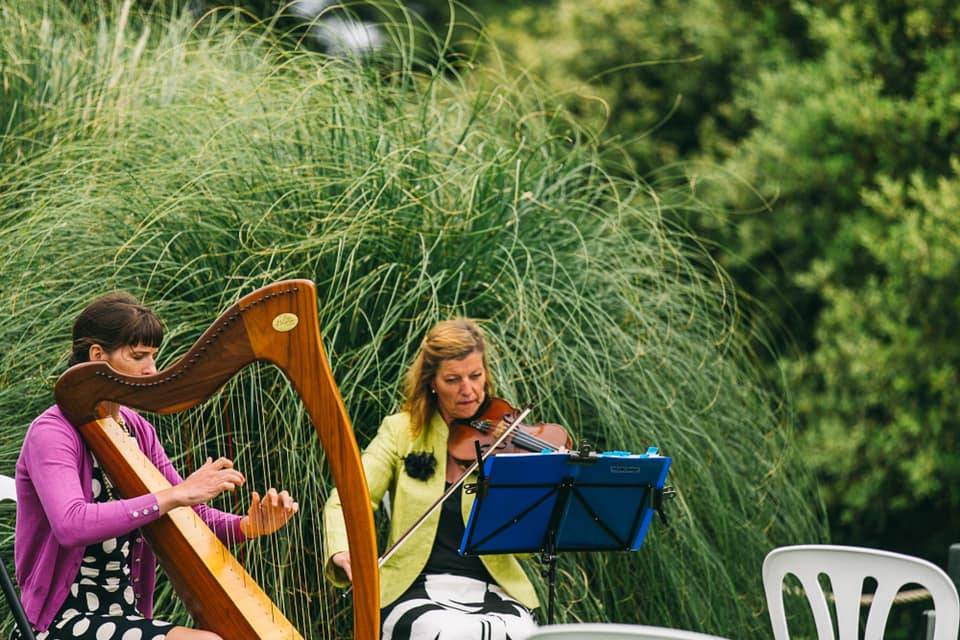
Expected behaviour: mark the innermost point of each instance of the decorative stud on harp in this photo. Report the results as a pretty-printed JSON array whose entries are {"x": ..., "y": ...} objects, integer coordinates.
[{"x": 276, "y": 324}]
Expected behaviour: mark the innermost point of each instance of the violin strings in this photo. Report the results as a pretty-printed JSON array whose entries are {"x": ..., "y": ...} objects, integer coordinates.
[
  {"x": 533, "y": 441},
  {"x": 526, "y": 440}
]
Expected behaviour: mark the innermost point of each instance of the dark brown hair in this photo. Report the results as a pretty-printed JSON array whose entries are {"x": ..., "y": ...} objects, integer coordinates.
[{"x": 113, "y": 321}]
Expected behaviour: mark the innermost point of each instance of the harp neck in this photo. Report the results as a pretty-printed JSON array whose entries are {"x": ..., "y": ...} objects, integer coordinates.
[{"x": 276, "y": 324}]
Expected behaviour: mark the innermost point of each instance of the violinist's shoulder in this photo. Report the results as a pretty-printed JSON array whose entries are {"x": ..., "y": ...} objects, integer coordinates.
[
  {"x": 398, "y": 423},
  {"x": 399, "y": 419},
  {"x": 396, "y": 430}
]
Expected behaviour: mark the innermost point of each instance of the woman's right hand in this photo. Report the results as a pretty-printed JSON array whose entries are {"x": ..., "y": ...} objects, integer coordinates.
[
  {"x": 342, "y": 560},
  {"x": 204, "y": 484}
]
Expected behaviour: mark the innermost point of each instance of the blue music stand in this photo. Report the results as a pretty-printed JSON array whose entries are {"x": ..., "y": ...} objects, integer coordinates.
[{"x": 551, "y": 502}]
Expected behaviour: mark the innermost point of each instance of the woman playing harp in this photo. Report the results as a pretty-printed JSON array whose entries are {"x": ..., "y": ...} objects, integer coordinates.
[{"x": 83, "y": 568}]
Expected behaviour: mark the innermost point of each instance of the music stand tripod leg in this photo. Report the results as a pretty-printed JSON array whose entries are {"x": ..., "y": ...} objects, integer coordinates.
[
  {"x": 549, "y": 558},
  {"x": 549, "y": 553}
]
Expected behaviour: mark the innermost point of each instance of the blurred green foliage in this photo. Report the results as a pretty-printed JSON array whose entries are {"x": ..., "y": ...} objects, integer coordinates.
[
  {"x": 660, "y": 76},
  {"x": 822, "y": 136}
]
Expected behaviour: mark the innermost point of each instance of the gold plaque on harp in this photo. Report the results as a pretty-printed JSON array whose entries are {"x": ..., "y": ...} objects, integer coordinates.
[{"x": 285, "y": 322}]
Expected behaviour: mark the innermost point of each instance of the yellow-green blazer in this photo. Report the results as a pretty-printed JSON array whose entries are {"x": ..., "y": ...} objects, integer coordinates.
[{"x": 409, "y": 499}]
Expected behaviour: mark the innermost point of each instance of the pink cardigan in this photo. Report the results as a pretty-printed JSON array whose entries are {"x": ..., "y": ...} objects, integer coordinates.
[{"x": 57, "y": 519}]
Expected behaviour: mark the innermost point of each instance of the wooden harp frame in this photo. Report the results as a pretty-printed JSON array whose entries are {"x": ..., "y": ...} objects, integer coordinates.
[{"x": 276, "y": 324}]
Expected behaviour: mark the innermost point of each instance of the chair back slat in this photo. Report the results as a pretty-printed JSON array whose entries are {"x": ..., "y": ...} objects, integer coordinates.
[{"x": 810, "y": 580}]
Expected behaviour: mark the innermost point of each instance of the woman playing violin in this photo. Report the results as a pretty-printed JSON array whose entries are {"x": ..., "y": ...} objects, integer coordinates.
[{"x": 428, "y": 590}]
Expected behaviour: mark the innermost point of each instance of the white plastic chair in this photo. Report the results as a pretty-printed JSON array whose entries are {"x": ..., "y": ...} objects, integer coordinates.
[
  {"x": 847, "y": 568},
  {"x": 614, "y": 632},
  {"x": 8, "y": 489}
]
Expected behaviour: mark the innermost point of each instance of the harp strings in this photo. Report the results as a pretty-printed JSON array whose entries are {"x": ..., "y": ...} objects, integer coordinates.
[{"x": 258, "y": 421}]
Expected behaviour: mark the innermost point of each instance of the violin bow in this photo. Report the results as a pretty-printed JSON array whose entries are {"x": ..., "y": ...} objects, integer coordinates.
[
  {"x": 450, "y": 491},
  {"x": 453, "y": 487}
]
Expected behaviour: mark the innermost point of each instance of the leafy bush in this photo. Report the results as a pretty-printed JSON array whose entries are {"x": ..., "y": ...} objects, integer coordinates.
[{"x": 850, "y": 157}]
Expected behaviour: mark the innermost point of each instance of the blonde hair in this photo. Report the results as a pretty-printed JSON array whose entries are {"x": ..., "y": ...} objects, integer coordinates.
[{"x": 453, "y": 339}]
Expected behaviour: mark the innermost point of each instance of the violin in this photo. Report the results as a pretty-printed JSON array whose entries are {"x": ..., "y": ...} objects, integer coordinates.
[{"x": 487, "y": 425}]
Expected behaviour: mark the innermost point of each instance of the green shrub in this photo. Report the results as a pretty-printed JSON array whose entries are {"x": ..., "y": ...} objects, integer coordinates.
[{"x": 850, "y": 163}]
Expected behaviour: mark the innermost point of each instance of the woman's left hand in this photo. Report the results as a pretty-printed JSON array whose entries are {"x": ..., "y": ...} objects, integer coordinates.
[{"x": 268, "y": 514}]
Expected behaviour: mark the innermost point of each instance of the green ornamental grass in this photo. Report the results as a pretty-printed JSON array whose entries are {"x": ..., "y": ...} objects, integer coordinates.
[{"x": 191, "y": 161}]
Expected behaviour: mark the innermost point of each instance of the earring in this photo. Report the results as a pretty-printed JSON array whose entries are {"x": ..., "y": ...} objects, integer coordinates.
[{"x": 433, "y": 391}]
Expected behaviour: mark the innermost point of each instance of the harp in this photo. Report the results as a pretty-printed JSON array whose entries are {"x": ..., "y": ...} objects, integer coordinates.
[{"x": 276, "y": 324}]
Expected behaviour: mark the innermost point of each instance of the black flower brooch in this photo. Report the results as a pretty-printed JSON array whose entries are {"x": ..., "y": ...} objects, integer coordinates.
[{"x": 420, "y": 464}]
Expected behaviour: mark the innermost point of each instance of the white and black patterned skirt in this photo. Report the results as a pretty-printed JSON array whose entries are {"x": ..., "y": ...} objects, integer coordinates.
[{"x": 448, "y": 607}]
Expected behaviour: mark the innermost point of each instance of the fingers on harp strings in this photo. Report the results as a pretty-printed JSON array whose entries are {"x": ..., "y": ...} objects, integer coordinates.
[{"x": 267, "y": 438}]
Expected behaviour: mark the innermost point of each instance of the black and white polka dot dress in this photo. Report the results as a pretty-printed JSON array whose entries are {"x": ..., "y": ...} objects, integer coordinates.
[{"x": 101, "y": 604}]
